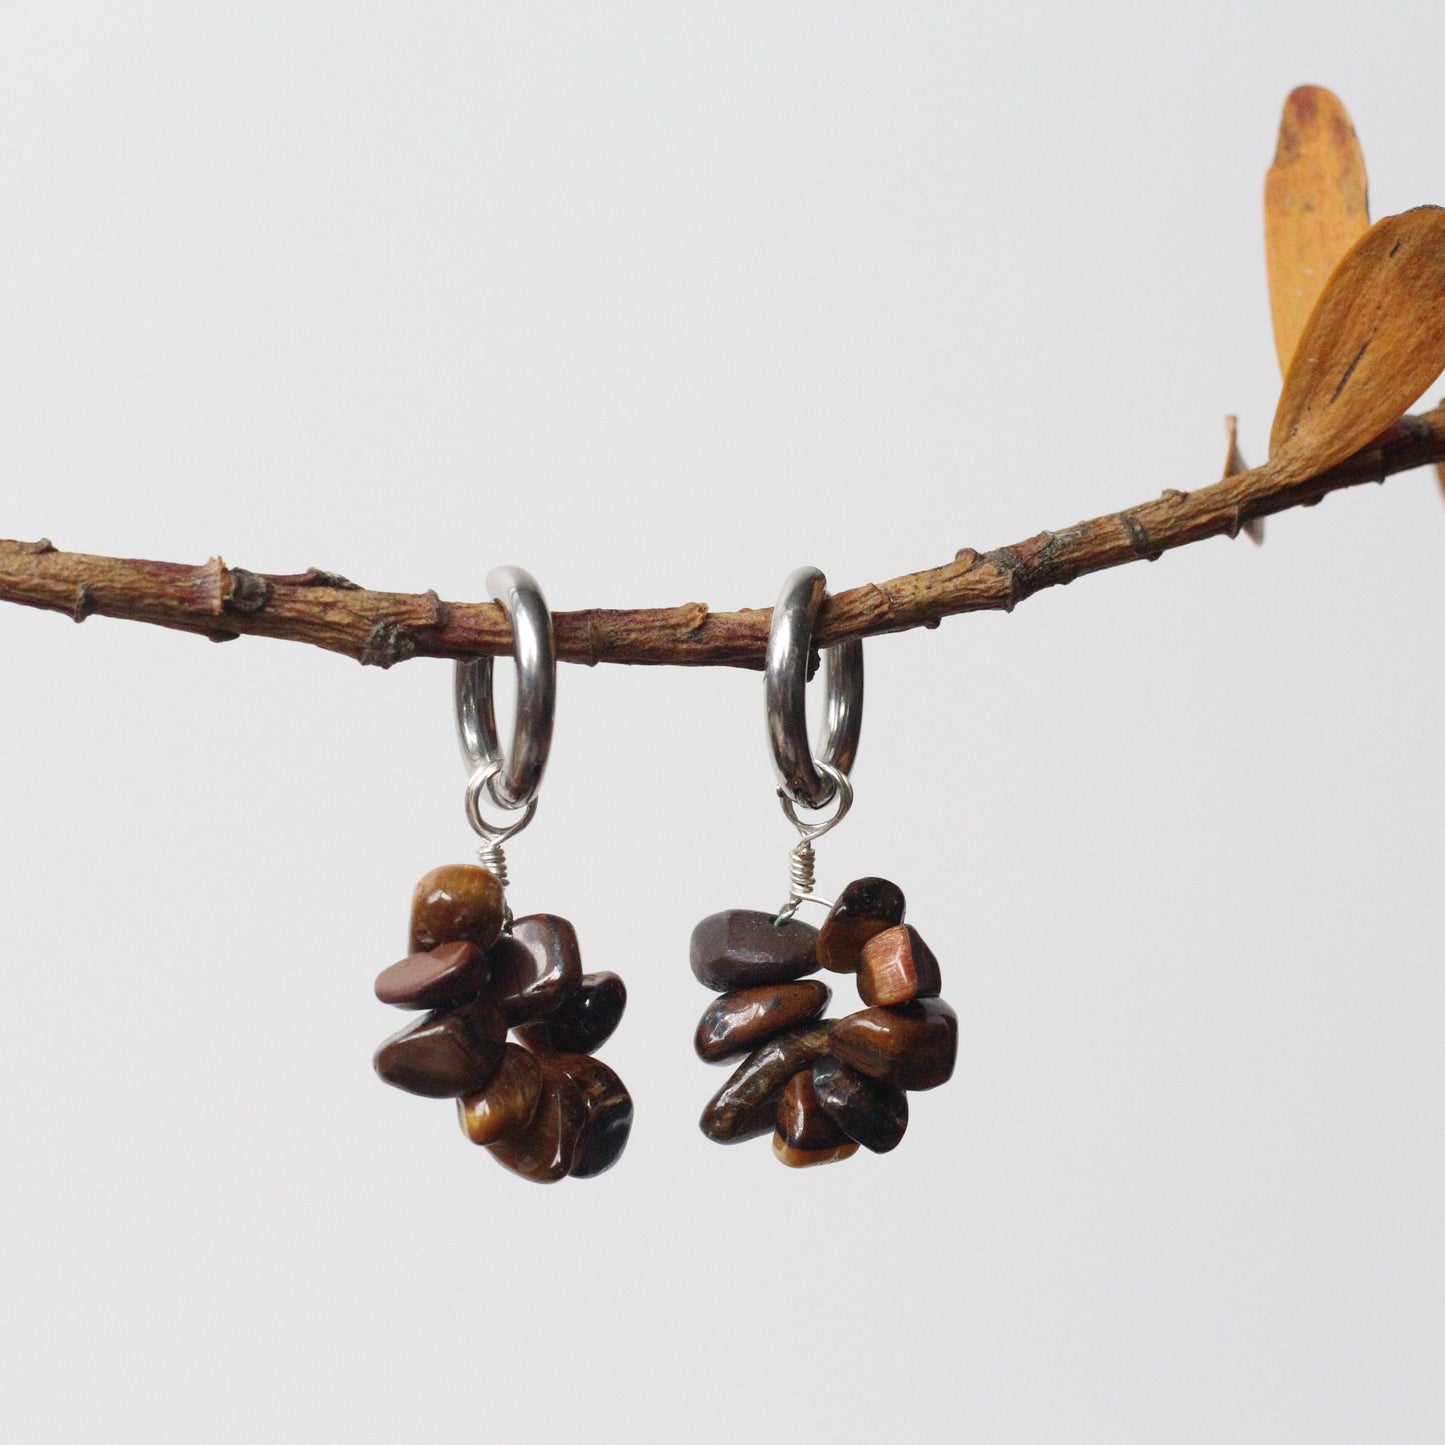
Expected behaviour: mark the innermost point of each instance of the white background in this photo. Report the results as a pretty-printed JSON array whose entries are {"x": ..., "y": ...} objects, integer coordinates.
[{"x": 661, "y": 301}]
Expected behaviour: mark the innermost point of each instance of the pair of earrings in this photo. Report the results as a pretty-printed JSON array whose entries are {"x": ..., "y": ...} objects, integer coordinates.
[{"x": 543, "y": 1105}]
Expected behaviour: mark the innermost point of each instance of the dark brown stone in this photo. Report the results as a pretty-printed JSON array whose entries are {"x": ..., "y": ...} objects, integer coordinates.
[
  {"x": 508, "y": 1103},
  {"x": 583, "y": 1023},
  {"x": 446, "y": 1053},
  {"x": 794, "y": 1158},
  {"x": 609, "y": 1113},
  {"x": 546, "y": 1149},
  {"x": 913, "y": 1046},
  {"x": 451, "y": 974},
  {"x": 802, "y": 1123},
  {"x": 868, "y": 1110},
  {"x": 458, "y": 903},
  {"x": 897, "y": 966},
  {"x": 746, "y": 1105},
  {"x": 535, "y": 967},
  {"x": 736, "y": 1022},
  {"x": 864, "y": 908},
  {"x": 741, "y": 948}
]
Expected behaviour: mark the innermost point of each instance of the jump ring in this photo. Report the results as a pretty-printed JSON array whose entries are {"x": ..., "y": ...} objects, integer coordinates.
[
  {"x": 806, "y": 779},
  {"x": 481, "y": 780},
  {"x": 513, "y": 774}
]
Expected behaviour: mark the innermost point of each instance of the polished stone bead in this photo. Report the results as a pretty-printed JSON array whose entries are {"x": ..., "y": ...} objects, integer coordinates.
[
  {"x": 546, "y": 1149},
  {"x": 912, "y": 1046},
  {"x": 868, "y": 1110},
  {"x": 458, "y": 903},
  {"x": 582, "y": 1023},
  {"x": 535, "y": 967},
  {"x": 864, "y": 908},
  {"x": 802, "y": 1122},
  {"x": 508, "y": 1103},
  {"x": 609, "y": 1113},
  {"x": 446, "y": 1053},
  {"x": 785, "y": 1153},
  {"x": 741, "y": 948},
  {"x": 736, "y": 1022},
  {"x": 451, "y": 974},
  {"x": 897, "y": 966},
  {"x": 746, "y": 1105}
]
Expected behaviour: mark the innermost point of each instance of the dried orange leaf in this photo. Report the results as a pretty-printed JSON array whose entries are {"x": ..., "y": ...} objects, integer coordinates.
[
  {"x": 1234, "y": 464},
  {"x": 1316, "y": 207},
  {"x": 1373, "y": 343}
]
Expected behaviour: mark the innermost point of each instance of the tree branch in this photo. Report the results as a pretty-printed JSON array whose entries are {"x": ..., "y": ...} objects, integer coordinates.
[{"x": 382, "y": 628}]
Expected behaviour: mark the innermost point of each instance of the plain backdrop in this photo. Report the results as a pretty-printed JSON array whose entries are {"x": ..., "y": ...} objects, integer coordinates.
[{"x": 661, "y": 301}]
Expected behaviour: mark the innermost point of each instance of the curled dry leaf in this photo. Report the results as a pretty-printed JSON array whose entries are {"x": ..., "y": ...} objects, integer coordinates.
[
  {"x": 1316, "y": 207},
  {"x": 1373, "y": 343}
]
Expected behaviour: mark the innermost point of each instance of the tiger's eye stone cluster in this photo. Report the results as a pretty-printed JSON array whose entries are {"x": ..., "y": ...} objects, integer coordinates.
[
  {"x": 542, "y": 1106},
  {"x": 821, "y": 1086}
]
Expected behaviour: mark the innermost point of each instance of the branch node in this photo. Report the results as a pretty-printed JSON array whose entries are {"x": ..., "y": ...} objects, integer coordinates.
[
  {"x": 1173, "y": 494},
  {"x": 441, "y": 614},
  {"x": 250, "y": 592},
  {"x": 969, "y": 557},
  {"x": 84, "y": 603},
  {"x": 38, "y": 549},
  {"x": 386, "y": 644},
  {"x": 1139, "y": 538}
]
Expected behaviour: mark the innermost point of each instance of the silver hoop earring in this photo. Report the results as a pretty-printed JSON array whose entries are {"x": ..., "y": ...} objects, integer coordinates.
[
  {"x": 820, "y": 1086},
  {"x": 542, "y": 1105}
]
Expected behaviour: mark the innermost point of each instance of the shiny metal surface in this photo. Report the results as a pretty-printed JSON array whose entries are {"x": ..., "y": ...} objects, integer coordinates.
[
  {"x": 514, "y": 773},
  {"x": 785, "y": 677}
]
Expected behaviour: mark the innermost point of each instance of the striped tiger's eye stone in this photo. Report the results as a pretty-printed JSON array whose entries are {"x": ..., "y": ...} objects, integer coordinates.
[
  {"x": 508, "y": 1103},
  {"x": 535, "y": 967},
  {"x": 746, "y": 1105},
  {"x": 609, "y": 1113},
  {"x": 582, "y": 1023},
  {"x": 546, "y": 1149},
  {"x": 913, "y": 1046},
  {"x": 785, "y": 1153},
  {"x": 741, "y": 948},
  {"x": 445, "y": 1053},
  {"x": 802, "y": 1122},
  {"x": 872, "y": 1112},
  {"x": 457, "y": 903},
  {"x": 864, "y": 908},
  {"x": 737, "y": 1022},
  {"x": 898, "y": 966},
  {"x": 447, "y": 975}
]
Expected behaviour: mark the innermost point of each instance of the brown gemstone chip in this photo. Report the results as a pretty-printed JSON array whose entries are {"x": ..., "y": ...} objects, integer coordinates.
[
  {"x": 446, "y": 1053},
  {"x": 898, "y": 966},
  {"x": 546, "y": 1149},
  {"x": 741, "y": 948},
  {"x": 457, "y": 903},
  {"x": 535, "y": 967},
  {"x": 864, "y": 908},
  {"x": 785, "y": 1153},
  {"x": 746, "y": 1105},
  {"x": 868, "y": 1110},
  {"x": 609, "y": 1113},
  {"x": 802, "y": 1122},
  {"x": 912, "y": 1046},
  {"x": 508, "y": 1103},
  {"x": 451, "y": 974},
  {"x": 582, "y": 1023},
  {"x": 736, "y": 1022}
]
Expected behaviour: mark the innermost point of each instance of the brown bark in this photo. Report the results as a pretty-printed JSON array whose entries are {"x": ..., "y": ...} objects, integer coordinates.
[{"x": 382, "y": 628}]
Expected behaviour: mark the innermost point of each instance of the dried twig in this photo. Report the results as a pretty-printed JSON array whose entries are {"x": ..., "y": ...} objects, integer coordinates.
[{"x": 382, "y": 628}]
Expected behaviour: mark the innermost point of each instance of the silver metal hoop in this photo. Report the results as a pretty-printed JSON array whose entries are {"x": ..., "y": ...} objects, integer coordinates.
[
  {"x": 514, "y": 774},
  {"x": 790, "y": 643}
]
